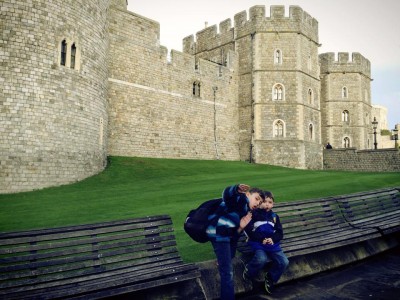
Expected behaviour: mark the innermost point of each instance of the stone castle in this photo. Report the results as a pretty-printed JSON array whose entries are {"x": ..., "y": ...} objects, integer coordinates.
[{"x": 85, "y": 79}]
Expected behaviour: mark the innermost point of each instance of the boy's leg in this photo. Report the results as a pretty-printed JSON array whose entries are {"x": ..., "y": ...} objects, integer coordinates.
[
  {"x": 279, "y": 265},
  {"x": 223, "y": 253},
  {"x": 257, "y": 262}
]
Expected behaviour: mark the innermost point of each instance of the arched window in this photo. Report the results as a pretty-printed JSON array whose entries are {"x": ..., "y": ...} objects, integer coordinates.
[
  {"x": 196, "y": 89},
  {"x": 63, "y": 53},
  {"x": 311, "y": 132},
  {"x": 346, "y": 142},
  {"x": 279, "y": 128},
  {"x": 310, "y": 96},
  {"x": 345, "y": 92},
  {"x": 345, "y": 116},
  {"x": 73, "y": 56},
  {"x": 278, "y": 93},
  {"x": 278, "y": 57}
]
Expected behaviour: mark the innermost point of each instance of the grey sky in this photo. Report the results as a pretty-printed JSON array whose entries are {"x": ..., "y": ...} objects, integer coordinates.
[{"x": 370, "y": 27}]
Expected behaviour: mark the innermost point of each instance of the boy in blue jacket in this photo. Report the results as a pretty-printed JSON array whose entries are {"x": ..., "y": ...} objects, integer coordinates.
[
  {"x": 228, "y": 221},
  {"x": 265, "y": 233}
]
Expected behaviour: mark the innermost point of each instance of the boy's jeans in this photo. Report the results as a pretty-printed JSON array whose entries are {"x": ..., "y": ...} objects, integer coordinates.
[
  {"x": 259, "y": 260},
  {"x": 225, "y": 251}
]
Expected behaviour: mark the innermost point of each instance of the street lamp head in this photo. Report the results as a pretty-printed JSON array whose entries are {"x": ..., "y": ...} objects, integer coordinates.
[{"x": 375, "y": 123}]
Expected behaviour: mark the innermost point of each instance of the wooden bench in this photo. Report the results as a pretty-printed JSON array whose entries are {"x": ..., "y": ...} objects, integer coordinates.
[
  {"x": 378, "y": 209},
  {"x": 91, "y": 261},
  {"x": 319, "y": 224}
]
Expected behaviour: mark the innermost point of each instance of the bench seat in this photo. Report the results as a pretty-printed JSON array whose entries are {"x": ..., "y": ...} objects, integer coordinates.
[
  {"x": 91, "y": 261},
  {"x": 320, "y": 224}
]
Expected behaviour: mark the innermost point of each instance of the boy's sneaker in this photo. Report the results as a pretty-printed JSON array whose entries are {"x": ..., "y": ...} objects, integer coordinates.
[{"x": 268, "y": 284}]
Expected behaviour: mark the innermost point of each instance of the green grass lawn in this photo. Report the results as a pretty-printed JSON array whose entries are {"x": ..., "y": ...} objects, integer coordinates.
[{"x": 137, "y": 187}]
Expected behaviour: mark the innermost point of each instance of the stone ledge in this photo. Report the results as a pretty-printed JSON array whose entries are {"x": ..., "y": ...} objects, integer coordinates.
[{"x": 300, "y": 266}]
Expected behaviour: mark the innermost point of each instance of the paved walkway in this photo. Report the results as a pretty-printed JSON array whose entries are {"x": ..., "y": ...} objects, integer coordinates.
[{"x": 376, "y": 278}]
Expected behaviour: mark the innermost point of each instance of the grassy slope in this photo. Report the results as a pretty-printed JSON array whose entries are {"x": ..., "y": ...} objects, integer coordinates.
[{"x": 136, "y": 187}]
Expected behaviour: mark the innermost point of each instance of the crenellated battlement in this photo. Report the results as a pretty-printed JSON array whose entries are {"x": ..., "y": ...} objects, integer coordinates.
[
  {"x": 343, "y": 63},
  {"x": 298, "y": 21}
]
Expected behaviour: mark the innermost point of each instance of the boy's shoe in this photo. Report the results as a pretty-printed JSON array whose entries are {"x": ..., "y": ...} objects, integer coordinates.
[{"x": 268, "y": 284}]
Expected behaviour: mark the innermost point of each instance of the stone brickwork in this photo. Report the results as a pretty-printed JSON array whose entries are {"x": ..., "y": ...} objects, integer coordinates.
[
  {"x": 53, "y": 117},
  {"x": 80, "y": 80},
  {"x": 256, "y": 40},
  {"x": 152, "y": 109},
  {"x": 381, "y": 160},
  {"x": 346, "y": 100}
]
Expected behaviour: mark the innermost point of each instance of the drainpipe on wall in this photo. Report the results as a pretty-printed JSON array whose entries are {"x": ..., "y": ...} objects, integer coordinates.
[
  {"x": 215, "y": 89},
  {"x": 251, "y": 96}
]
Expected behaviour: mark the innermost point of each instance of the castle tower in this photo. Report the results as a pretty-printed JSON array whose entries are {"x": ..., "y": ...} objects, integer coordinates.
[
  {"x": 346, "y": 101},
  {"x": 279, "y": 87},
  {"x": 53, "y": 88}
]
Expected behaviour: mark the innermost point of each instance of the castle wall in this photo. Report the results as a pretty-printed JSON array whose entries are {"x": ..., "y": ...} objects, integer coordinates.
[
  {"x": 355, "y": 76},
  {"x": 153, "y": 112},
  {"x": 53, "y": 117},
  {"x": 289, "y": 153},
  {"x": 351, "y": 159}
]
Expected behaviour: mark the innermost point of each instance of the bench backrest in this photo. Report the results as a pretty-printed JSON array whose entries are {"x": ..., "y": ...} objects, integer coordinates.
[
  {"x": 375, "y": 209},
  {"x": 33, "y": 258}
]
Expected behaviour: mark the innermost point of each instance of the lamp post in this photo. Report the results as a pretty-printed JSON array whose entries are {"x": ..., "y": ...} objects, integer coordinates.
[
  {"x": 395, "y": 131},
  {"x": 375, "y": 125}
]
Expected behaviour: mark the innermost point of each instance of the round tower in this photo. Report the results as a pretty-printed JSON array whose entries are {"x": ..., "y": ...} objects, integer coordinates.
[{"x": 53, "y": 106}]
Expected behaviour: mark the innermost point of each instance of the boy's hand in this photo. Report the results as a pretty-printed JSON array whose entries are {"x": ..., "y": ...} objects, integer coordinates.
[
  {"x": 268, "y": 241},
  {"x": 243, "y": 188},
  {"x": 244, "y": 221}
]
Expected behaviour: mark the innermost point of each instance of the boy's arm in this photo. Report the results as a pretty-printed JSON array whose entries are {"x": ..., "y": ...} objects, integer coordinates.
[
  {"x": 233, "y": 196},
  {"x": 254, "y": 236},
  {"x": 278, "y": 234}
]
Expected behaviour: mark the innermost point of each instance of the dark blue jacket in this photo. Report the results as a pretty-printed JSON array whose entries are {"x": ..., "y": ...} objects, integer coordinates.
[
  {"x": 226, "y": 219},
  {"x": 264, "y": 224}
]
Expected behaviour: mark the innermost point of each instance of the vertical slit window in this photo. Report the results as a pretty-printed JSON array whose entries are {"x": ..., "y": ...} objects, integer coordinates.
[
  {"x": 344, "y": 92},
  {"x": 278, "y": 57},
  {"x": 73, "y": 56},
  {"x": 63, "y": 52}
]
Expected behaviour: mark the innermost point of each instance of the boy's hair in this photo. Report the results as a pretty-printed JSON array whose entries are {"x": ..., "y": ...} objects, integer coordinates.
[
  {"x": 257, "y": 190},
  {"x": 268, "y": 194}
]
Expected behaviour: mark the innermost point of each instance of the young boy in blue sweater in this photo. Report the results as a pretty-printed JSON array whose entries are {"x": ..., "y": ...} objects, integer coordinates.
[
  {"x": 265, "y": 233},
  {"x": 226, "y": 224}
]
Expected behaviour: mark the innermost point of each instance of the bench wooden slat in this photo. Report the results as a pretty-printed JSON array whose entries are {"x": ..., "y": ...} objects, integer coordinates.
[
  {"x": 87, "y": 286},
  {"x": 69, "y": 261},
  {"x": 40, "y": 237}
]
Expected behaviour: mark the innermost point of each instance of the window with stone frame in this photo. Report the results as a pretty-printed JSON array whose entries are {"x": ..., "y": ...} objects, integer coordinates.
[
  {"x": 345, "y": 92},
  {"x": 196, "y": 89},
  {"x": 73, "y": 56},
  {"x": 345, "y": 116},
  {"x": 278, "y": 92},
  {"x": 277, "y": 57},
  {"x": 311, "y": 132},
  {"x": 279, "y": 128},
  {"x": 310, "y": 96},
  {"x": 63, "y": 58},
  {"x": 69, "y": 54},
  {"x": 346, "y": 142}
]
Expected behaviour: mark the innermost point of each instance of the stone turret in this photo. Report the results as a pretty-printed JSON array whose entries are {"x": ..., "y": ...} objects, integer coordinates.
[{"x": 346, "y": 100}]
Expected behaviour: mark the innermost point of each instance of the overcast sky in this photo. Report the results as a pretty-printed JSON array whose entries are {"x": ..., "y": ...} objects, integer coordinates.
[{"x": 370, "y": 27}]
